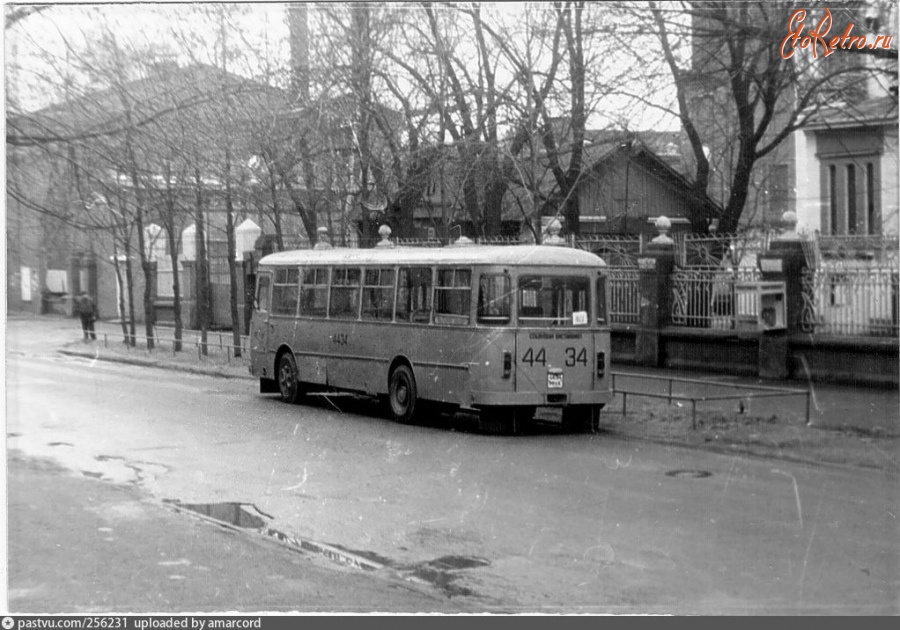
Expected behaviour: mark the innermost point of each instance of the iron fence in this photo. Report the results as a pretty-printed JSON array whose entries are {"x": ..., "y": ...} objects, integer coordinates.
[
  {"x": 624, "y": 291},
  {"x": 704, "y": 297},
  {"x": 846, "y": 301}
]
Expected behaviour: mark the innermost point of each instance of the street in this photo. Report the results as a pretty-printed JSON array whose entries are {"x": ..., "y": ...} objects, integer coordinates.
[{"x": 544, "y": 522}]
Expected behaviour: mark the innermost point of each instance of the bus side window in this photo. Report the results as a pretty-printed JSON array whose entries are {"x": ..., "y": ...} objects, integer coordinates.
[
  {"x": 314, "y": 291},
  {"x": 494, "y": 299},
  {"x": 285, "y": 292},
  {"x": 452, "y": 296},
  {"x": 262, "y": 292},
  {"x": 414, "y": 295},
  {"x": 378, "y": 294},
  {"x": 345, "y": 293}
]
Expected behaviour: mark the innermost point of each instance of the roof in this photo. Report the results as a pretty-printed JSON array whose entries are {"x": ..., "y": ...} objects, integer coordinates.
[
  {"x": 869, "y": 113},
  {"x": 458, "y": 255}
]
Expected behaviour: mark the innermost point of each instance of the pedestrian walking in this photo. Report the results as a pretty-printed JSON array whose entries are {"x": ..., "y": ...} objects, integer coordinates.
[{"x": 87, "y": 311}]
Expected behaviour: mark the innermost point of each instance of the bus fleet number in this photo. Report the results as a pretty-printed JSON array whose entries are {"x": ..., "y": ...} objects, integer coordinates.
[{"x": 574, "y": 356}]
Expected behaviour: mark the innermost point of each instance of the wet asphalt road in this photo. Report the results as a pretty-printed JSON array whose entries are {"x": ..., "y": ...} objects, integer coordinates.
[{"x": 551, "y": 522}]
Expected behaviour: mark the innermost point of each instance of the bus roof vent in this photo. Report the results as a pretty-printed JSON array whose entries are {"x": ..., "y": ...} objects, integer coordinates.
[{"x": 463, "y": 241}]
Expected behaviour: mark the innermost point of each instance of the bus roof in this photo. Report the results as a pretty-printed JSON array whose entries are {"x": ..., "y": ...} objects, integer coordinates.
[{"x": 456, "y": 255}]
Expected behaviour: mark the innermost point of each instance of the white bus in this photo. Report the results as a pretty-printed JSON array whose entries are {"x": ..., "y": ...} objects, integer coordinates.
[{"x": 498, "y": 329}]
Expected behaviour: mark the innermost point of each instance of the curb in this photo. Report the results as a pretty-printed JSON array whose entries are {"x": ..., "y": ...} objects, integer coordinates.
[
  {"x": 149, "y": 363},
  {"x": 741, "y": 449}
]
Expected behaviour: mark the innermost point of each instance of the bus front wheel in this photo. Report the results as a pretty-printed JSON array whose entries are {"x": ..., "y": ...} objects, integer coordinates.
[
  {"x": 288, "y": 381},
  {"x": 402, "y": 394}
]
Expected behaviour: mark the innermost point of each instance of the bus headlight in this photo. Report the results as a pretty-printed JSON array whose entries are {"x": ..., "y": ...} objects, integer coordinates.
[
  {"x": 507, "y": 364},
  {"x": 601, "y": 364}
]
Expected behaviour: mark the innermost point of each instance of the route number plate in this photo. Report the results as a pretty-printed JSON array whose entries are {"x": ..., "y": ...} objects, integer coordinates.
[{"x": 554, "y": 381}]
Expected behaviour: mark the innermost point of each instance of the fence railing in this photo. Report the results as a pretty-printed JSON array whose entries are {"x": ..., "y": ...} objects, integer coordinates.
[
  {"x": 851, "y": 301},
  {"x": 704, "y": 297},
  {"x": 624, "y": 295},
  {"x": 218, "y": 345}
]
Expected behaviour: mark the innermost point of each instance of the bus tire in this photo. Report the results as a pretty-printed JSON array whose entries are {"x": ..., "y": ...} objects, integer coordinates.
[
  {"x": 402, "y": 394},
  {"x": 288, "y": 379},
  {"x": 581, "y": 418}
]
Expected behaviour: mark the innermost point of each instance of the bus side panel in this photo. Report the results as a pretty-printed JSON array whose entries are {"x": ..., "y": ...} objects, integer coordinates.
[
  {"x": 488, "y": 372},
  {"x": 309, "y": 347}
]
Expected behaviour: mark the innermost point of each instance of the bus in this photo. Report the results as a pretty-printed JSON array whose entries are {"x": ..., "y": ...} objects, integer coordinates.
[{"x": 499, "y": 330}]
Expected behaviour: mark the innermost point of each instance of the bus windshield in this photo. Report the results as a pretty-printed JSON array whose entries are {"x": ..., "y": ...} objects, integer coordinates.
[{"x": 554, "y": 300}]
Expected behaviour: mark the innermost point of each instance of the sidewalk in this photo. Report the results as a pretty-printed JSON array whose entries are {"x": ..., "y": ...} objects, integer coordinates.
[{"x": 847, "y": 425}]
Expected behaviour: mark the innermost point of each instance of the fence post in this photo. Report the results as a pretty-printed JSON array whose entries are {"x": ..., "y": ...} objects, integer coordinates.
[
  {"x": 784, "y": 261},
  {"x": 655, "y": 270}
]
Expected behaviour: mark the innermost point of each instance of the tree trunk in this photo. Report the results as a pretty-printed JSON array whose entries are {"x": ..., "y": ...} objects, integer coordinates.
[
  {"x": 172, "y": 241},
  {"x": 200, "y": 265},
  {"x": 232, "y": 253}
]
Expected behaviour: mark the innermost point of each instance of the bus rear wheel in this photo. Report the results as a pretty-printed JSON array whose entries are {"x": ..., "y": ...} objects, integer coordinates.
[
  {"x": 288, "y": 379},
  {"x": 581, "y": 418},
  {"x": 506, "y": 420},
  {"x": 402, "y": 394}
]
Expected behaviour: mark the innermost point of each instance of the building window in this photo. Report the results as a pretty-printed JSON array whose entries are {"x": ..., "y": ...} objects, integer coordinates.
[
  {"x": 850, "y": 191},
  {"x": 851, "y": 199},
  {"x": 832, "y": 199},
  {"x": 778, "y": 189},
  {"x": 873, "y": 226}
]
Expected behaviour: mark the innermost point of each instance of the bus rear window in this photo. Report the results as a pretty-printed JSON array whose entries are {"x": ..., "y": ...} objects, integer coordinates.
[
  {"x": 554, "y": 301},
  {"x": 494, "y": 299}
]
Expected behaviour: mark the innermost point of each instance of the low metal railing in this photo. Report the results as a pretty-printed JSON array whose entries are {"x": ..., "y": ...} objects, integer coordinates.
[
  {"x": 747, "y": 392},
  {"x": 217, "y": 345}
]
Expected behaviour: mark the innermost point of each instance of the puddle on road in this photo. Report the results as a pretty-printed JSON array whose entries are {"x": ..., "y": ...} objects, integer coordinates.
[
  {"x": 232, "y": 513},
  {"x": 689, "y": 474},
  {"x": 441, "y": 573}
]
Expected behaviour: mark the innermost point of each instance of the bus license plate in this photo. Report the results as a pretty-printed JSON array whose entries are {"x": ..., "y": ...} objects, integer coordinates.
[{"x": 554, "y": 381}]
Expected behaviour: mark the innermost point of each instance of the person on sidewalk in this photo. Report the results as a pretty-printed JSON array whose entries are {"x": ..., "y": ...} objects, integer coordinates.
[{"x": 87, "y": 311}]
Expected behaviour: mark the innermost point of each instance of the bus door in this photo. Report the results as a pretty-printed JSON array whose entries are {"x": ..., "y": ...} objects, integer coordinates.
[
  {"x": 554, "y": 343},
  {"x": 261, "y": 328}
]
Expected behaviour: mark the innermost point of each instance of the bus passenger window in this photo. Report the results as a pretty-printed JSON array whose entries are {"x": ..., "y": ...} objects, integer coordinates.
[
  {"x": 452, "y": 295},
  {"x": 262, "y": 292},
  {"x": 285, "y": 291},
  {"x": 314, "y": 291},
  {"x": 601, "y": 300},
  {"x": 414, "y": 295},
  {"x": 344, "y": 293},
  {"x": 494, "y": 299},
  {"x": 378, "y": 294}
]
